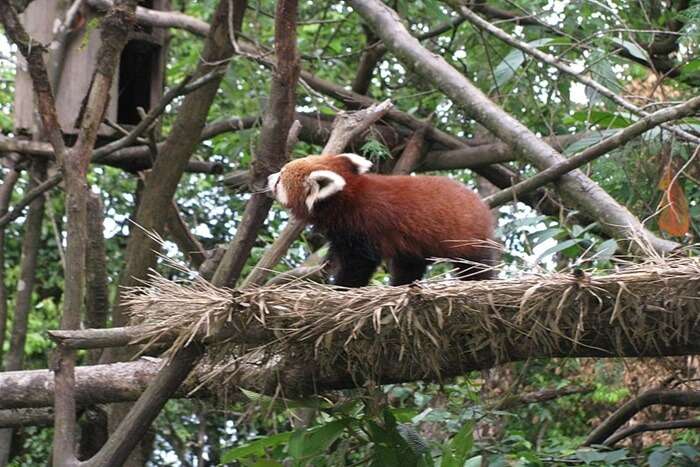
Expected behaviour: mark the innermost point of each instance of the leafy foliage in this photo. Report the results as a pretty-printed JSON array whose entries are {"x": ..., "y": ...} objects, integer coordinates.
[{"x": 457, "y": 423}]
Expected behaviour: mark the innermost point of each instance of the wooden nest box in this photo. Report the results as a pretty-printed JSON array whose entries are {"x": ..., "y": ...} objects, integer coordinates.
[{"x": 138, "y": 82}]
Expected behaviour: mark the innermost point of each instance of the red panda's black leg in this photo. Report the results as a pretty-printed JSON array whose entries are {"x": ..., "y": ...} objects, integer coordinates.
[
  {"x": 405, "y": 270},
  {"x": 353, "y": 259},
  {"x": 354, "y": 270}
]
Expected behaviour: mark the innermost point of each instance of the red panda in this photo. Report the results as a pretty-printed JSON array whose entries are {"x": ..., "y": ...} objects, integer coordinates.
[{"x": 403, "y": 220}]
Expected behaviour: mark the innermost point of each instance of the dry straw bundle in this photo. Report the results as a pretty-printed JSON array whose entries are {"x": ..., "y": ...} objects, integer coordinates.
[{"x": 432, "y": 329}]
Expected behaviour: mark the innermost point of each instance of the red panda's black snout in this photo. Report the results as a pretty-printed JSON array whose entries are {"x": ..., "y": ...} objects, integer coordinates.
[{"x": 403, "y": 220}]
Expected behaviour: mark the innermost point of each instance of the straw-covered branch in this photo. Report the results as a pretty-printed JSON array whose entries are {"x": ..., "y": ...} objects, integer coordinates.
[{"x": 432, "y": 330}]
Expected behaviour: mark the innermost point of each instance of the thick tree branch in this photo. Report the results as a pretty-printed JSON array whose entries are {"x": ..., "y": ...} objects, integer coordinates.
[
  {"x": 132, "y": 159},
  {"x": 272, "y": 152},
  {"x": 116, "y": 26},
  {"x": 31, "y": 243},
  {"x": 96, "y": 277},
  {"x": 151, "y": 217},
  {"x": 183, "y": 238},
  {"x": 603, "y": 317},
  {"x": 96, "y": 384},
  {"x": 622, "y": 415},
  {"x": 18, "y": 418},
  {"x": 181, "y": 142},
  {"x": 412, "y": 153},
  {"x": 614, "y": 219},
  {"x": 8, "y": 185}
]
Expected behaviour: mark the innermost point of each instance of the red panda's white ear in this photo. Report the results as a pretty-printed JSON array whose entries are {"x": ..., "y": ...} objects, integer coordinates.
[
  {"x": 363, "y": 165},
  {"x": 323, "y": 183}
]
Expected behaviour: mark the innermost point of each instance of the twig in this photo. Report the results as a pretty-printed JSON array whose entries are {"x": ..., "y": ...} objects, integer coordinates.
[
  {"x": 183, "y": 88},
  {"x": 185, "y": 240},
  {"x": 597, "y": 150},
  {"x": 654, "y": 426},
  {"x": 544, "y": 395},
  {"x": 31, "y": 195}
]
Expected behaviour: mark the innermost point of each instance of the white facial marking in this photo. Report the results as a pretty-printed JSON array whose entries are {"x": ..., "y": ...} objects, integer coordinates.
[
  {"x": 277, "y": 189},
  {"x": 363, "y": 165},
  {"x": 324, "y": 183}
]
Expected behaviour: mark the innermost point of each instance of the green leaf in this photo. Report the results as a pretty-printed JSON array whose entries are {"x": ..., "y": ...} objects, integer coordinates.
[
  {"x": 404, "y": 414},
  {"x": 544, "y": 235},
  {"x": 267, "y": 463},
  {"x": 660, "y": 457},
  {"x": 588, "y": 140},
  {"x": 602, "y": 118},
  {"x": 687, "y": 450},
  {"x": 463, "y": 442},
  {"x": 602, "y": 71},
  {"x": 505, "y": 70},
  {"x": 256, "y": 447},
  {"x": 692, "y": 68},
  {"x": 633, "y": 49},
  {"x": 314, "y": 441},
  {"x": 448, "y": 459},
  {"x": 474, "y": 461},
  {"x": 606, "y": 250},
  {"x": 560, "y": 247}
]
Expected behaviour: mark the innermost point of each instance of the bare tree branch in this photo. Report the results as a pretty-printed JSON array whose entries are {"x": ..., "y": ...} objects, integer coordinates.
[
  {"x": 96, "y": 292},
  {"x": 161, "y": 19},
  {"x": 271, "y": 154},
  {"x": 31, "y": 243},
  {"x": 183, "y": 238},
  {"x": 412, "y": 153},
  {"x": 18, "y": 418},
  {"x": 543, "y": 395},
  {"x": 652, "y": 426},
  {"x": 8, "y": 185},
  {"x": 622, "y": 415},
  {"x": 272, "y": 150},
  {"x": 132, "y": 159},
  {"x": 95, "y": 384},
  {"x": 620, "y": 138}
]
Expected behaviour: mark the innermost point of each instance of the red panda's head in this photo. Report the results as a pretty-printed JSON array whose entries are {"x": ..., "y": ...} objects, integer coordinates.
[{"x": 304, "y": 182}]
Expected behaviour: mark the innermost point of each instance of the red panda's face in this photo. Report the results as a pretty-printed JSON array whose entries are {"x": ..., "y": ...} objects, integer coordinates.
[{"x": 303, "y": 182}]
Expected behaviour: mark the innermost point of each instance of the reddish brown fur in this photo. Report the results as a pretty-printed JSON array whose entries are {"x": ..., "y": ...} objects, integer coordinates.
[
  {"x": 424, "y": 215},
  {"x": 402, "y": 216}
]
